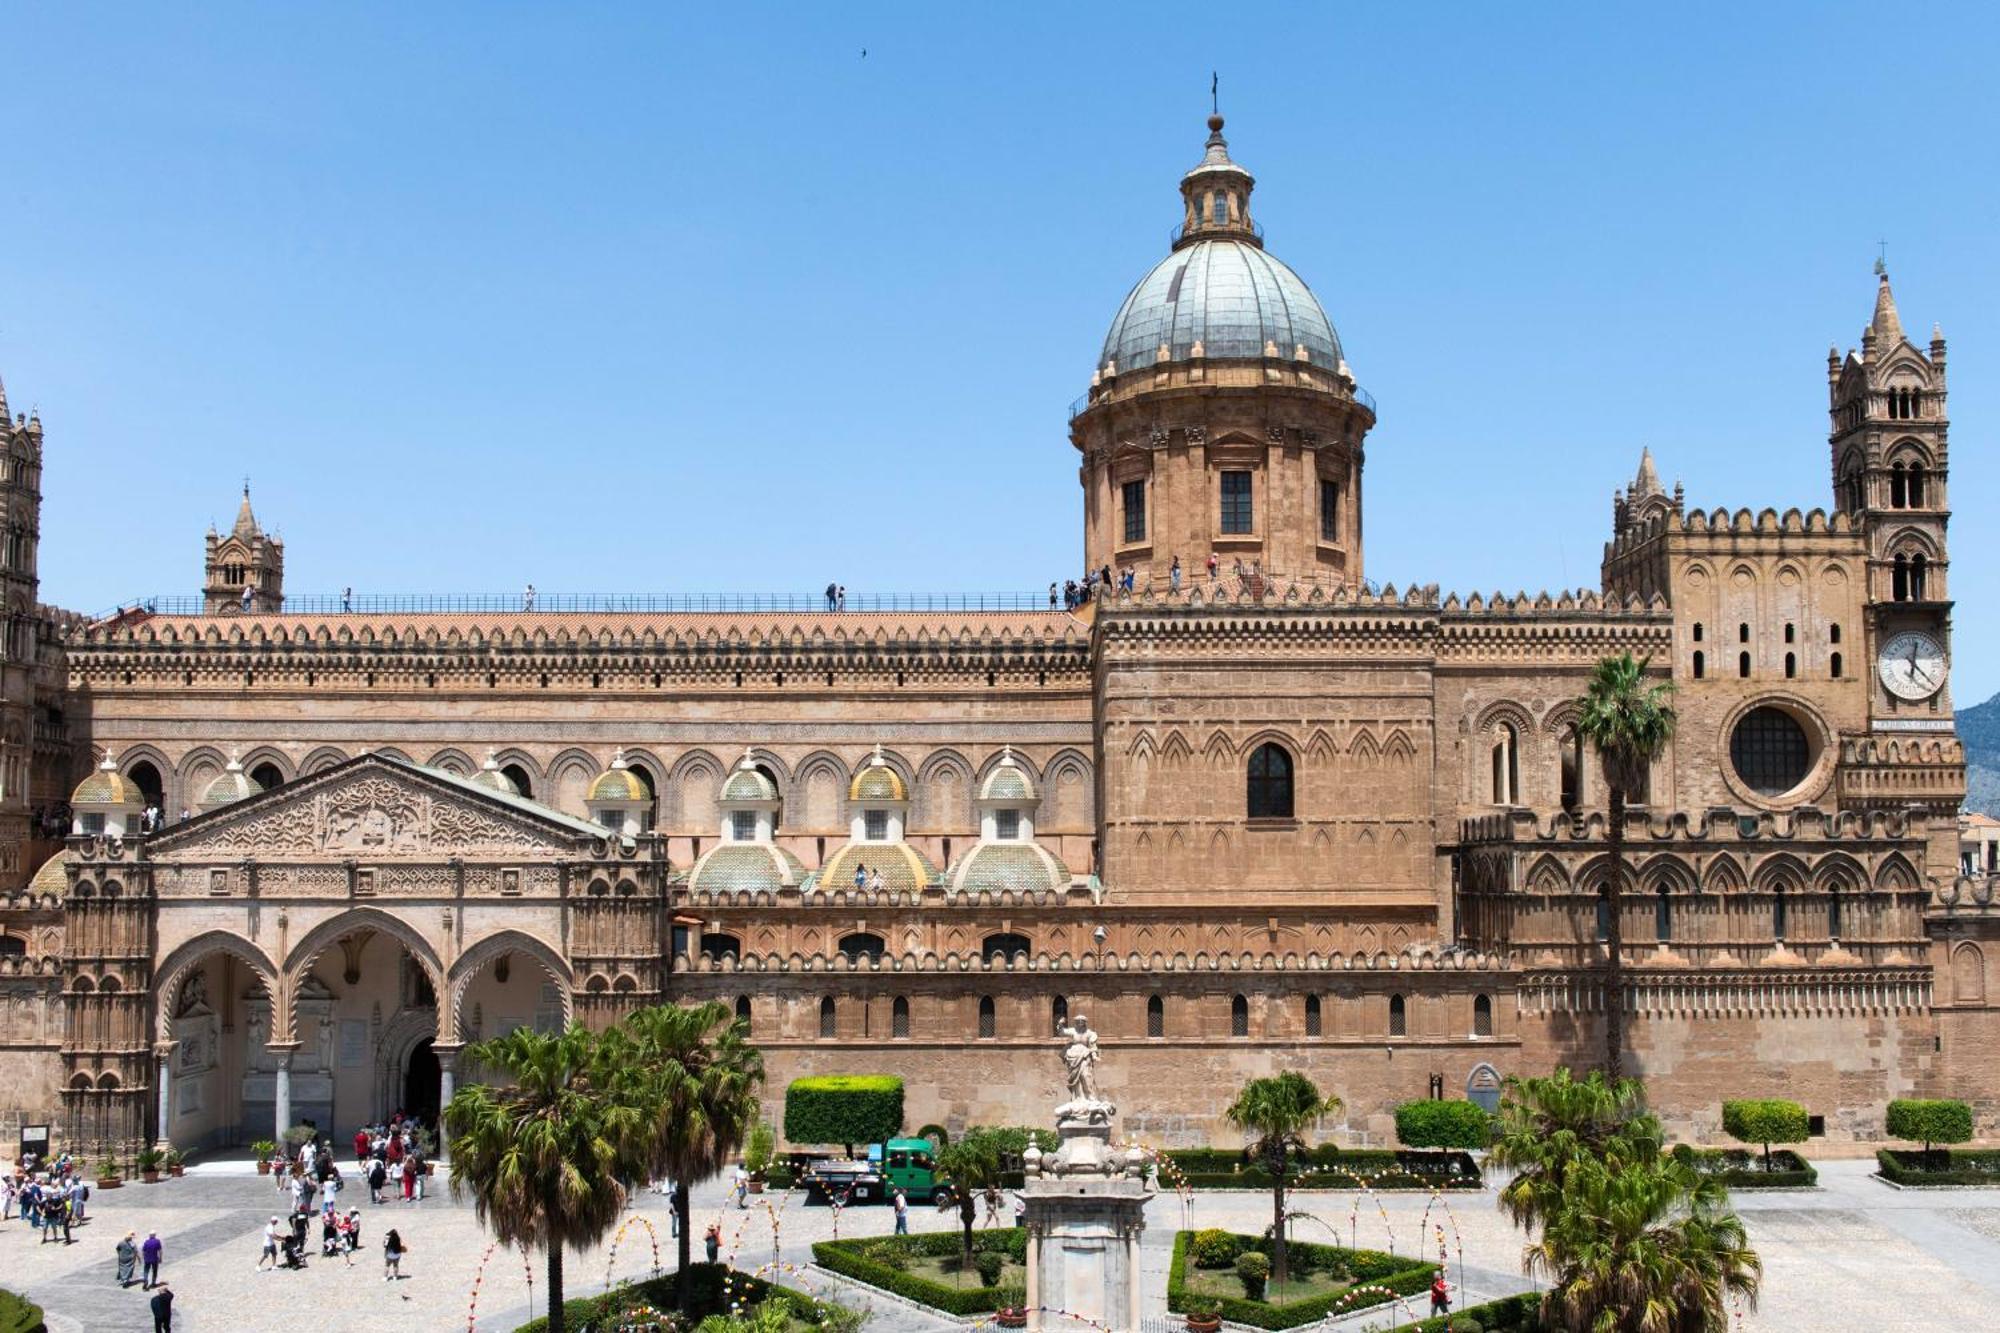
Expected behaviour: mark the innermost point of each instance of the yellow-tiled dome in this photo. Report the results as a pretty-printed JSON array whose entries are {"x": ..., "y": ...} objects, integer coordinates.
[
  {"x": 53, "y": 877},
  {"x": 877, "y": 781},
  {"x": 107, "y": 786},
  {"x": 903, "y": 867},
  {"x": 618, "y": 783}
]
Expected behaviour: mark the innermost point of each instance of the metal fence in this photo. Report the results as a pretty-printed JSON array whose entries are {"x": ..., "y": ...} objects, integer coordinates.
[{"x": 556, "y": 603}]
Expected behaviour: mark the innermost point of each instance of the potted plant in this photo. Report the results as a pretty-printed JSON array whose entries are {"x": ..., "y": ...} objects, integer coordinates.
[
  {"x": 263, "y": 1150},
  {"x": 176, "y": 1162},
  {"x": 149, "y": 1160},
  {"x": 107, "y": 1175},
  {"x": 757, "y": 1154},
  {"x": 1204, "y": 1314},
  {"x": 1013, "y": 1311}
]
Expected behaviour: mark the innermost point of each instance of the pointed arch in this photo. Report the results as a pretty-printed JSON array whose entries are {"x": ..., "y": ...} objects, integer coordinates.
[
  {"x": 490, "y": 947},
  {"x": 324, "y": 936},
  {"x": 189, "y": 954}
]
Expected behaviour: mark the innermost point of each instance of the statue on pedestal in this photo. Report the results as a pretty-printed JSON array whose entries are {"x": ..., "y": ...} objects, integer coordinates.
[{"x": 1080, "y": 1056}]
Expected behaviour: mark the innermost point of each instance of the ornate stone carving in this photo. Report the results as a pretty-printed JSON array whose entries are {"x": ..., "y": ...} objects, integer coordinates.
[
  {"x": 370, "y": 815},
  {"x": 1159, "y": 436},
  {"x": 1196, "y": 435}
]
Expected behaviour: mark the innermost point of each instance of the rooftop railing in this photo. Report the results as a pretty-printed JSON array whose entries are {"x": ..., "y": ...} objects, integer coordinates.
[{"x": 560, "y": 603}]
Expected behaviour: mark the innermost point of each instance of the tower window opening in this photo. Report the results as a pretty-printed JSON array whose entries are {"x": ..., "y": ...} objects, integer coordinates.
[
  {"x": 1899, "y": 580},
  {"x": 1778, "y": 906},
  {"x": 1899, "y": 494},
  {"x": 1237, "y": 517},
  {"x": 1506, "y": 766},
  {"x": 1698, "y": 665},
  {"x": 1834, "y": 663},
  {"x": 1482, "y": 1015},
  {"x": 1918, "y": 567},
  {"x": 1270, "y": 782},
  {"x": 1399, "y": 1017},
  {"x": 1156, "y": 1017},
  {"x": 899, "y": 1017},
  {"x": 1134, "y": 493},
  {"x": 1915, "y": 487},
  {"x": 1743, "y": 632},
  {"x": 1743, "y": 665},
  {"x": 1833, "y": 914},
  {"x": 828, "y": 1019},
  {"x": 1603, "y": 915},
  {"x": 1313, "y": 1027},
  {"x": 1791, "y": 666},
  {"x": 1239, "y": 1017},
  {"x": 988, "y": 1023},
  {"x": 1329, "y": 510},
  {"x": 1663, "y": 915},
  {"x": 1833, "y": 634},
  {"x": 1697, "y": 631},
  {"x": 1791, "y": 633}
]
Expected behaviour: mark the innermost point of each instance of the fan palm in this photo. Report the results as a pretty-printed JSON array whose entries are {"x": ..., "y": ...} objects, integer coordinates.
[
  {"x": 542, "y": 1154},
  {"x": 1278, "y": 1110},
  {"x": 1547, "y": 1124},
  {"x": 701, "y": 1078},
  {"x": 1629, "y": 721}
]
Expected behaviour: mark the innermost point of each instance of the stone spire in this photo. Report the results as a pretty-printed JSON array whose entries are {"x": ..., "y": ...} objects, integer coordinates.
[
  {"x": 1886, "y": 326},
  {"x": 1647, "y": 482},
  {"x": 4, "y": 418},
  {"x": 1216, "y": 195},
  {"x": 246, "y": 522}
]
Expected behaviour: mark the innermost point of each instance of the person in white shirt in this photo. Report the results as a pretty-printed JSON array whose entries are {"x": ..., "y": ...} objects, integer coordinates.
[
  {"x": 741, "y": 1182},
  {"x": 271, "y": 1234}
]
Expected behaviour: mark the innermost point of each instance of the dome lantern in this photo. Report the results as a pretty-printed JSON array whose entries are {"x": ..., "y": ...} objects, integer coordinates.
[
  {"x": 618, "y": 799},
  {"x": 1216, "y": 196},
  {"x": 1007, "y": 801},
  {"x": 749, "y": 803},
  {"x": 105, "y": 802}
]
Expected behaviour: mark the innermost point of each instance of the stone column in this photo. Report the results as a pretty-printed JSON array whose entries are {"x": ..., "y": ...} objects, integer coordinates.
[
  {"x": 284, "y": 1097},
  {"x": 1034, "y": 1296},
  {"x": 164, "y": 1054},
  {"x": 447, "y": 1058}
]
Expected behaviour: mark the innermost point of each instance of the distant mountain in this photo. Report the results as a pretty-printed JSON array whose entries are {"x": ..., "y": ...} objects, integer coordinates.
[{"x": 1979, "y": 728}]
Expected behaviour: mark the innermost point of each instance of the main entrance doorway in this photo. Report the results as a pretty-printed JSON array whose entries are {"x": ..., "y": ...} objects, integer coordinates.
[{"x": 422, "y": 1083}]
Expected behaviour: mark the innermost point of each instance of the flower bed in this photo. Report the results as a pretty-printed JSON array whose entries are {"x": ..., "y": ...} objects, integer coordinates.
[
  {"x": 1940, "y": 1166},
  {"x": 1371, "y": 1278},
  {"x": 1742, "y": 1169},
  {"x": 886, "y": 1262},
  {"x": 708, "y": 1295},
  {"x": 1330, "y": 1168}
]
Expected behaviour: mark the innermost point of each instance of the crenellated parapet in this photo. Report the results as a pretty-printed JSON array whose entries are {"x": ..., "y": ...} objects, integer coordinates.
[
  {"x": 1201, "y": 961},
  {"x": 1721, "y": 824}
]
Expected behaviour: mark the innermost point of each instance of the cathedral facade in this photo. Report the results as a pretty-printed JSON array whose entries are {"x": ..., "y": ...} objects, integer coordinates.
[{"x": 1246, "y": 809}]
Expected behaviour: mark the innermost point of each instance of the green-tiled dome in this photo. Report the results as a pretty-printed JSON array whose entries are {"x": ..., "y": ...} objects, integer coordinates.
[
  {"x": 107, "y": 786},
  {"x": 490, "y": 777},
  {"x": 617, "y": 783},
  {"x": 229, "y": 786},
  {"x": 877, "y": 782},
  {"x": 1008, "y": 782},
  {"x": 747, "y": 782},
  {"x": 1017, "y": 867},
  {"x": 738, "y": 866}
]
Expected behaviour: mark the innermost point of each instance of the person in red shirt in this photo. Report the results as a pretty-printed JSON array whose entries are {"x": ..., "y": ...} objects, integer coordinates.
[
  {"x": 360, "y": 1145},
  {"x": 395, "y": 1147}
]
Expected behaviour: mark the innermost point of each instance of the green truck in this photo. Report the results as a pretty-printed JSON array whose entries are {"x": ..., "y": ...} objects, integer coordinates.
[{"x": 899, "y": 1164}]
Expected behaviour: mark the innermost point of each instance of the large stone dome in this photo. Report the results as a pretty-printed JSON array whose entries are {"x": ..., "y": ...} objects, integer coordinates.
[{"x": 1226, "y": 295}]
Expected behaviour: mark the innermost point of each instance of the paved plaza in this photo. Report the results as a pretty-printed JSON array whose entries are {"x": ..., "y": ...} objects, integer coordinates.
[{"x": 1853, "y": 1254}]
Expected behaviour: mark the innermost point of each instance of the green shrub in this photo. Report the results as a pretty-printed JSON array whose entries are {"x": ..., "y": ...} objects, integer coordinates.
[
  {"x": 1455, "y": 1123},
  {"x": 1958, "y": 1166},
  {"x": 19, "y": 1315},
  {"x": 990, "y": 1266},
  {"x": 1391, "y": 1275},
  {"x": 1511, "y": 1314},
  {"x": 844, "y": 1108},
  {"x": 1324, "y": 1167},
  {"x": 779, "y": 1176},
  {"x": 707, "y": 1295},
  {"x": 852, "y": 1258},
  {"x": 1215, "y": 1248},
  {"x": 1930, "y": 1121},
  {"x": 1765, "y": 1121},
  {"x": 888, "y": 1254},
  {"x": 1738, "y": 1169},
  {"x": 1464, "y": 1323},
  {"x": 1253, "y": 1270},
  {"x": 757, "y": 1152}
]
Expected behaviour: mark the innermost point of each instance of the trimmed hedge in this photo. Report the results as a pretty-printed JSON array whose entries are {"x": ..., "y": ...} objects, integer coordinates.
[
  {"x": 1958, "y": 1166},
  {"x": 1741, "y": 1169},
  {"x": 18, "y": 1314},
  {"x": 852, "y": 1258},
  {"x": 1929, "y": 1121},
  {"x": 1455, "y": 1123},
  {"x": 1509, "y": 1314},
  {"x": 706, "y": 1297},
  {"x": 1331, "y": 1169},
  {"x": 844, "y": 1108},
  {"x": 1393, "y": 1272},
  {"x": 1765, "y": 1121}
]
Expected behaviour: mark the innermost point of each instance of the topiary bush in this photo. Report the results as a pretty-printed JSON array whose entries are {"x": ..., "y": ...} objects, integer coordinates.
[
  {"x": 1765, "y": 1121},
  {"x": 1253, "y": 1270},
  {"x": 844, "y": 1108},
  {"x": 1443, "y": 1123},
  {"x": 990, "y": 1266},
  {"x": 1929, "y": 1121},
  {"x": 1464, "y": 1323},
  {"x": 1215, "y": 1248}
]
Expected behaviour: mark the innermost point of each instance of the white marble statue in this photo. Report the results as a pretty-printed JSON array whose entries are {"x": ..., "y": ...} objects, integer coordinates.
[{"x": 1079, "y": 1058}]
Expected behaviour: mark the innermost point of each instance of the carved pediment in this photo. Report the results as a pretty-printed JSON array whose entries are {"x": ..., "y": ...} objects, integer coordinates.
[{"x": 369, "y": 809}]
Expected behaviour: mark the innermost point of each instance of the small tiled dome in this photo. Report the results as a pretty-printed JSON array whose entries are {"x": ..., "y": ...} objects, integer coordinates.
[
  {"x": 1017, "y": 867},
  {"x": 107, "y": 786},
  {"x": 230, "y": 786},
  {"x": 618, "y": 783},
  {"x": 1008, "y": 782},
  {"x": 53, "y": 877},
  {"x": 903, "y": 867},
  {"x": 490, "y": 776},
  {"x": 737, "y": 866},
  {"x": 747, "y": 783},
  {"x": 877, "y": 781}
]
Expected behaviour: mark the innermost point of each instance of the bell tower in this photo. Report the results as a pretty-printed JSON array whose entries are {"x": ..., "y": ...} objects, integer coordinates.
[
  {"x": 1891, "y": 461},
  {"x": 245, "y": 571},
  {"x": 21, "y": 514}
]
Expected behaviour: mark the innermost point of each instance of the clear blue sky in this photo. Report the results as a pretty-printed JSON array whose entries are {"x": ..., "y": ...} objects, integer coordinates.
[{"x": 671, "y": 298}]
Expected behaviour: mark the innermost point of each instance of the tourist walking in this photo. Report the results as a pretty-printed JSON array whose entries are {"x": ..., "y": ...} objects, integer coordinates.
[
  {"x": 378, "y": 1176},
  {"x": 740, "y": 1182},
  {"x": 272, "y": 1235},
  {"x": 392, "y": 1256},
  {"x": 128, "y": 1258},
  {"x": 711, "y": 1241},
  {"x": 150, "y": 1255},
  {"x": 902, "y": 1213},
  {"x": 1440, "y": 1296},
  {"x": 163, "y": 1310}
]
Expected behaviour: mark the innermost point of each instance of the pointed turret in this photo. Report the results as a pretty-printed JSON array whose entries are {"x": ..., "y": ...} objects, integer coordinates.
[
  {"x": 4, "y": 418},
  {"x": 246, "y": 522},
  {"x": 1647, "y": 482},
  {"x": 1887, "y": 326}
]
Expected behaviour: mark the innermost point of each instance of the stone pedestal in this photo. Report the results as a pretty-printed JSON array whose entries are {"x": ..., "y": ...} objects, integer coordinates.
[{"x": 1086, "y": 1210}]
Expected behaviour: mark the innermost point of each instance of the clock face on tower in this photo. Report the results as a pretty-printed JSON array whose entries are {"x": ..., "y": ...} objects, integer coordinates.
[{"x": 1912, "y": 665}]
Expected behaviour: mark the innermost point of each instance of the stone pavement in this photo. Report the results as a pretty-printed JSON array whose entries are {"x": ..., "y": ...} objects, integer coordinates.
[{"x": 1853, "y": 1254}]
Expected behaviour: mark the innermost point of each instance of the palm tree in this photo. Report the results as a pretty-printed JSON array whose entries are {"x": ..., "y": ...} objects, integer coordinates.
[
  {"x": 1644, "y": 1247},
  {"x": 1548, "y": 1124},
  {"x": 1278, "y": 1110},
  {"x": 971, "y": 1165},
  {"x": 1629, "y": 721},
  {"x": 543, "y": 1155},
  {"x": 699, "y": 1078}
]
